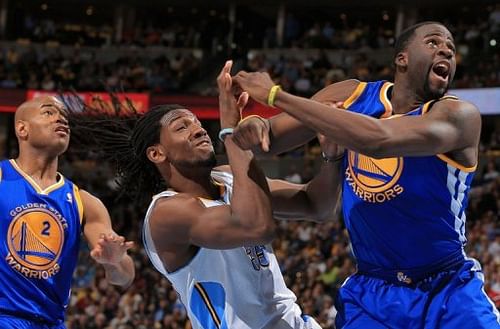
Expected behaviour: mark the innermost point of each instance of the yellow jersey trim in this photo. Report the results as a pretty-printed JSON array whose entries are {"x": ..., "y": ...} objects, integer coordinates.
[
  {"x": 443, "y": 157},
  {"x": 79, "y": 203},
  {"x": 384, "y": 98},
  {"x": 31, "y": 181},
  {"x": 456, "y": 164},
  {"x": 208, "y": 303},
  {"x": 355, "y": 95},
  {"x": 0, "y": 175},
  {"x": 427, "y": 105}
]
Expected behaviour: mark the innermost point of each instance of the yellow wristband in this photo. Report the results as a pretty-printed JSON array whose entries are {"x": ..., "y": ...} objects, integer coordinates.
[
  {"x": 251, "y": 116},
  {"x": 272, "y": 95}
]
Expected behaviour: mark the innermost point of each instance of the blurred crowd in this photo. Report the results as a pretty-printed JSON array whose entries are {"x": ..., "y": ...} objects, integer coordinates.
[
  {"x": 344, "y": 49},
  {"x": 82, "y": 71}
]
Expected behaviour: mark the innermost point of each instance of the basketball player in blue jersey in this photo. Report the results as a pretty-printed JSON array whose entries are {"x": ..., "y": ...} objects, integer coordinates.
[
  {"x": 42, "y": 215},
  {"x": 411, "y": 155},
  {"x": 208, "y": 229}
]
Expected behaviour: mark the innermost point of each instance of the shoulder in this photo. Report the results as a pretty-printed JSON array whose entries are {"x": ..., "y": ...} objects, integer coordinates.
[
  {"x": 337, "y": 92},
  {"x": 93, "y": 205},
  {"x": 175, "y": 207},
  {"x": 171, "y": 218},
  {"x": 456, "y": 110},
  {"x": 88, "y": 198}
]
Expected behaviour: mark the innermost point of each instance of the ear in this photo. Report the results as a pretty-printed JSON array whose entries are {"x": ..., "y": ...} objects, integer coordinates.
[
  {"x": 401, "y": 59},
  {"x": 21, "y": 129},
  {"x": 156, "y": 153}
]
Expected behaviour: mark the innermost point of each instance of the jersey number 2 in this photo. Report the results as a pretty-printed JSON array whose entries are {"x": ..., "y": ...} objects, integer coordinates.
[{"x": 46, "y": 228}]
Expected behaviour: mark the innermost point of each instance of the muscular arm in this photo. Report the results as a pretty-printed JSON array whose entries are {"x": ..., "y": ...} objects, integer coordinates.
[
  {"x": 120, "y": 270},
  {"x": 288, "y": 132},
  {"x": 314, "y": 201},
  {"x": 450, "y": 126},
  {"x": 183, "y": 220}
]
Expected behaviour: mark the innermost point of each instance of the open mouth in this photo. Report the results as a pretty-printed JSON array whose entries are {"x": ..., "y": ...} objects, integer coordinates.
[{"x": 442, "y": 70}]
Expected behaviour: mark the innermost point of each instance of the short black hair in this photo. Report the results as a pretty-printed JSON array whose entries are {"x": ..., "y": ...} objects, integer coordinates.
[{"x": 407, "y": 35}]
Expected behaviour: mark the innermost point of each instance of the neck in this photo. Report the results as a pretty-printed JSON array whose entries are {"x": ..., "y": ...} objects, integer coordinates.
[
  {"x": 195, "y": 181},
  {"x": 41, "y": 167},
  {"x": 404, "y": 98}
]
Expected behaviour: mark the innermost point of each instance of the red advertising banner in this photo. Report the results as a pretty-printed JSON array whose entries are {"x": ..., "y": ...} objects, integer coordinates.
[
  {"x": 101, "y": 100},
  {"x": 205, "y": 107}
]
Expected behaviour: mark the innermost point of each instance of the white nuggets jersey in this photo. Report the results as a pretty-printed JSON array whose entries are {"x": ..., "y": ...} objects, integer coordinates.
[{"x": 240, "y": 288}]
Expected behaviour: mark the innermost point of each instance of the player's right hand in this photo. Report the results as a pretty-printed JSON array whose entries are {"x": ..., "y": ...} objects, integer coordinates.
[{"x": 251, "y": 133}]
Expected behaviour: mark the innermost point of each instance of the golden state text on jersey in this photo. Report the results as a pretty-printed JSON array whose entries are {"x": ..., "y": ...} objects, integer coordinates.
[
  {"x": 40, "y": 237},
  {"x": 402, "y": 212}
]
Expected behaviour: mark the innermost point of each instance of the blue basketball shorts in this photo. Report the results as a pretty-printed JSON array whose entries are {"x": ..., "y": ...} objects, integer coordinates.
[
  {"x": 447, "y": 300},
  {"x": 12, "y": 322}
]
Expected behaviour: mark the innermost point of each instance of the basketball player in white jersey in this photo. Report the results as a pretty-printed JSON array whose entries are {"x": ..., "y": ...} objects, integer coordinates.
[{"x": 209, "y": 233}]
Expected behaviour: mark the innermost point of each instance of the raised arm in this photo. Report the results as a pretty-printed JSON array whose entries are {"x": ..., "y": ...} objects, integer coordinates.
[
  {"x": 107, "y": 248},
  {"x": 451, "y": 127},
  {"x": 246, "y": 221},
  {"x": 283, "y": 132}
]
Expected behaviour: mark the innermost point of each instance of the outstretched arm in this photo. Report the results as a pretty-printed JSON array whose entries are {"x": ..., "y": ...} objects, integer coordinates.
[
  {"x": 450, "y": 126},
  {"x": 107, "y": 248},
  {"x": 284, "y": 132}
]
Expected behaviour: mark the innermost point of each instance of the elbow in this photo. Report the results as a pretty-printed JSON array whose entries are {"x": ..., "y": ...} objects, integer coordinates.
[
  {"x": 324, "y": 216},
  {"x": 265, "y": 233}
]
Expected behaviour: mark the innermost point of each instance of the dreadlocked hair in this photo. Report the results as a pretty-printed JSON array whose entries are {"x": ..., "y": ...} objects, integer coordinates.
[{"x": 121, "y": 136}]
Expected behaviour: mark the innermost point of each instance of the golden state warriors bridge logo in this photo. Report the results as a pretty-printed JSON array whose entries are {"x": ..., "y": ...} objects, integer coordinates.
[
  {"x": 35, "y": 239},
  {"x": 374, "y": 180}
]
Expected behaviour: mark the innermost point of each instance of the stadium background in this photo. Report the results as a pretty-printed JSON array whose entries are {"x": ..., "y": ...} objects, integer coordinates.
[{"x": 170, "y": 52}]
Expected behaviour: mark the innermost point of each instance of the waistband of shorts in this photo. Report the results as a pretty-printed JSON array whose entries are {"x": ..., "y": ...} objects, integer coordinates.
[
  {"x": 30, "y": 317},
  {"x": 413, "y": 275}
]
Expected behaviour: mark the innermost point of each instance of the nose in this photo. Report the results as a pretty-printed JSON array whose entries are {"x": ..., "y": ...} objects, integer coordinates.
[
  {"x": 446, "y": 52},
  {"x": 61, "y": 119},
  {"x": 199, "y": 132}
]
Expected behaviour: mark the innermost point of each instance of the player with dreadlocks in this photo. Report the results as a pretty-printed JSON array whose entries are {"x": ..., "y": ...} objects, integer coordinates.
[{"x": 209, "y": 231}]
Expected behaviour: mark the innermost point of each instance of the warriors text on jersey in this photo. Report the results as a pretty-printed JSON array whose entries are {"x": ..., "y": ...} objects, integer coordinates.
[
  {"x": 402, "y": 212},
  {"x": 40, "y": 236}
]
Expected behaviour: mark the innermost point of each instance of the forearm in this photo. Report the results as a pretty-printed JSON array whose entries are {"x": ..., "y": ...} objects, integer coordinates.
[
  {"x": 250, "y": 201},
  {"x": 354, "y": 131},
  {"x": 121, "y": 274},
  {"x": 314, "y": 201},
  {"x": 287, "y": 133},
  {"x": 324, "y": 190}
]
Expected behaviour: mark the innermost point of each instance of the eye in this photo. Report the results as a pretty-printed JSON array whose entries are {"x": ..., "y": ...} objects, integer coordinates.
[
  {"x": 179, "y": 128},
  {"x": 432, "y": 43}
]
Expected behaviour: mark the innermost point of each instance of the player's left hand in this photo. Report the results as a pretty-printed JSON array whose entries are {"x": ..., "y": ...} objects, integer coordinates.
[
  {"x": 229, "y": 108},
  {"x": 256, "y": 84},
  {"x": 110, "y": 249}
]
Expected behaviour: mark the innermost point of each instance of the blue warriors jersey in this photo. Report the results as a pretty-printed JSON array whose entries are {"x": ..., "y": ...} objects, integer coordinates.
[
  {"x": 402, "y": 212},
  {"x": 40, "y": 236}
]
